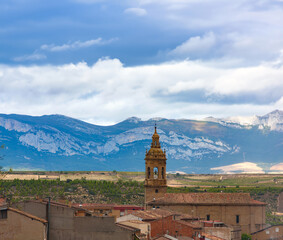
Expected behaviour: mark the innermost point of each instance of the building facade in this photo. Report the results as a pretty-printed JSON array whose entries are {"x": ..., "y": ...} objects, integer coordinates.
[
  {"x": 66, "y": 222},
  {"x": 269, "y": 233},
  {"x": 19, "y": 225},
  {"x": 235, "y": 209}
]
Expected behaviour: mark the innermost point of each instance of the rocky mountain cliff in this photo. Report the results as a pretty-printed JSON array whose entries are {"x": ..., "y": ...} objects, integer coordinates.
[{"x": 58, "y": 142}]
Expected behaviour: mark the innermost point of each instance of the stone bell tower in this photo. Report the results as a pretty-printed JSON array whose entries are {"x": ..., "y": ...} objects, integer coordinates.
[{"x": 155, "y": 170}]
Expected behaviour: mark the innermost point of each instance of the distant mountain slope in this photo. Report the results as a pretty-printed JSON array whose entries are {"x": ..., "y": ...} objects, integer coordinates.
[{"x": 57, "y": 142}]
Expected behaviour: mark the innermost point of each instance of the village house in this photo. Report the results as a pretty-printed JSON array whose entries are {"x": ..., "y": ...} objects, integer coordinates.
[
  {"x": 19, "y": 225},
  {"x": 114, "y": 210},
  {"x": 272, "y": 232},
  {"x": 72, "y": 223}
]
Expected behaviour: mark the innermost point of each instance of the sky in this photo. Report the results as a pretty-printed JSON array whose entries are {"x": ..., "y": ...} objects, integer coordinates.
[{"x": 103, "y": 61}]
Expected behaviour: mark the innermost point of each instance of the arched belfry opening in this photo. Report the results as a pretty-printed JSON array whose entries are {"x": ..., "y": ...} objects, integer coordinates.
[
  {"x": 155, "y": 172},
  {"x": 155, "y": 166}
]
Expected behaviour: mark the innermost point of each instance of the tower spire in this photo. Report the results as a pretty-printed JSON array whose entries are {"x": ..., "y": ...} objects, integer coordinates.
[{"x": 155, "y": 169}]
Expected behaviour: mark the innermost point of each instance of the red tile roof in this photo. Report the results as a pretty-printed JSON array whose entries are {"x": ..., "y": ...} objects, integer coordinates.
[
  {"x": 190, "y": 224},
  {"x": 106, "y": 206},
  {"x": 212, "y": 237},
  {"x": 206, "y": 199},
  {"x": 128, "y": 227},
  {"x": 152, "y": 214}
]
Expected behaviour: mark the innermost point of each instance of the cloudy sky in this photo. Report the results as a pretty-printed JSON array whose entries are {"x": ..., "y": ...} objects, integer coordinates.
[{"x": 103, "y": 61}]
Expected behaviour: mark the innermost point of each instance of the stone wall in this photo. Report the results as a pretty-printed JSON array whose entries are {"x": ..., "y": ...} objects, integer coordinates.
[
  {"x": 280, "y": 203},
  {"x": 65, "y": 225},
  {"x": 18, "y": 227},
  {"x": 273, "y": 232}
]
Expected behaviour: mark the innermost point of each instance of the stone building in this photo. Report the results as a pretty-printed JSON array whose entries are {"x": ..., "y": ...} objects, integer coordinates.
[
  {"x": 112, "y": 210},
  {"x": 19, "y": 225},
  {"x": 272, "y": 232},
  {"x": 67, "y": 222},
  {"x": 280, "y": 203},
  {"x": 235, "y": 209}
]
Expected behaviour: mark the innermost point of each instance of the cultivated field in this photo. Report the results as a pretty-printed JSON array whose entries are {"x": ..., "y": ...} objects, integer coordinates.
[{"x": 174, "y": 180}]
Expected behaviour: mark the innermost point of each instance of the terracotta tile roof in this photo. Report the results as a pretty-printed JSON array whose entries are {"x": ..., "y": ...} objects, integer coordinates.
[
  {"x": 134, "y": 221},
  {"x": 93, "y": 205},
  {"x": 2, "y": 201},
  {"x": 211, "y": 236},
  {"x": 27, "y": 215},
  {"x": 190, "y": 224},
  {"x": 152, "y": 214},
  {"x": 206, "y": 199},
  {"x": 105, "y": 206},
  {"x": 128, "y": 227},
  {"x": 165, "y": 237}
]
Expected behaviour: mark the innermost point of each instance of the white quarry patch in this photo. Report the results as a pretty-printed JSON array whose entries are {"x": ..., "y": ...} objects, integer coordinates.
[
  {"x": 53, "y": 143},
  {"x": 13, "y": 125},
  {"x": 245, "y": 167},
  {"x": 277, "y": 167}
]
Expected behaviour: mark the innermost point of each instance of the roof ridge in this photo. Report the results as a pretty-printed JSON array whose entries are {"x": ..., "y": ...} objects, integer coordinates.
[{"x": 27, "y": 215}]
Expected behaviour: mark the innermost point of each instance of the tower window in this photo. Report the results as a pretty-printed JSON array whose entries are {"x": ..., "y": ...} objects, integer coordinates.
[
  {"x": 155, "y": 143},
  {"x": 207, "y": 217},
  {"x": 162, "y": 172},
  {"x": 237, "y": 218},
  {"x": 156, "y": 190},
  {"x": 148, "y": 172},
  {"x": 155, "y": 171}
]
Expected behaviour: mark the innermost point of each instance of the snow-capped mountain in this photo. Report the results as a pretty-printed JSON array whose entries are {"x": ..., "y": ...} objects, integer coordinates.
[
  {"x": 272, "y": 121},
  {"x": 56, "y": 142}
]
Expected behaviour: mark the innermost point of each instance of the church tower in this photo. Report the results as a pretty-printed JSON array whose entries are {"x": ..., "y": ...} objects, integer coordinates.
[{"x": 155, "y": 170}]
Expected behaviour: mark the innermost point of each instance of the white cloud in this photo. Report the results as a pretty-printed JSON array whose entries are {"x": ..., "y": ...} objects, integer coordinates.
[
  {"x": 32, "y": 57},
  {"x": 110, "y": 92},
  {"x": 75, "y": 45},
  {"x": 195, "y": 45},
  {"x": 277, "y": 167},
  {"x": 245, "y": 167},
  {"x": 136, "y": 11}
]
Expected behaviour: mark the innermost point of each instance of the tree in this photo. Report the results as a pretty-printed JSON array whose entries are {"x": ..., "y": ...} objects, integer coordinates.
[
  {"x": 1, "y": 158},
  {"x": 246, "y": 236},
  {"x": 2, "y": 173}
]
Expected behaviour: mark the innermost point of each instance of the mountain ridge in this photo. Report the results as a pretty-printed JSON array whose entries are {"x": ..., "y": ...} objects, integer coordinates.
[{"x": 57, "y": 142}]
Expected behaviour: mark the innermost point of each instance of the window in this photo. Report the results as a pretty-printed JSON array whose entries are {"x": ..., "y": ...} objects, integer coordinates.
[
  {"x": 207, "y": 217},
  {"x": 162, "y": 172},
  {"x": 148, "y": 172},
  {"x": 3, "y": 214},
  {"x": 277, "y": 229},
  {"x": 155, "y": 143},
  {"x": 237, "y": 218},
  {"x": 156, "y": 190}
]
